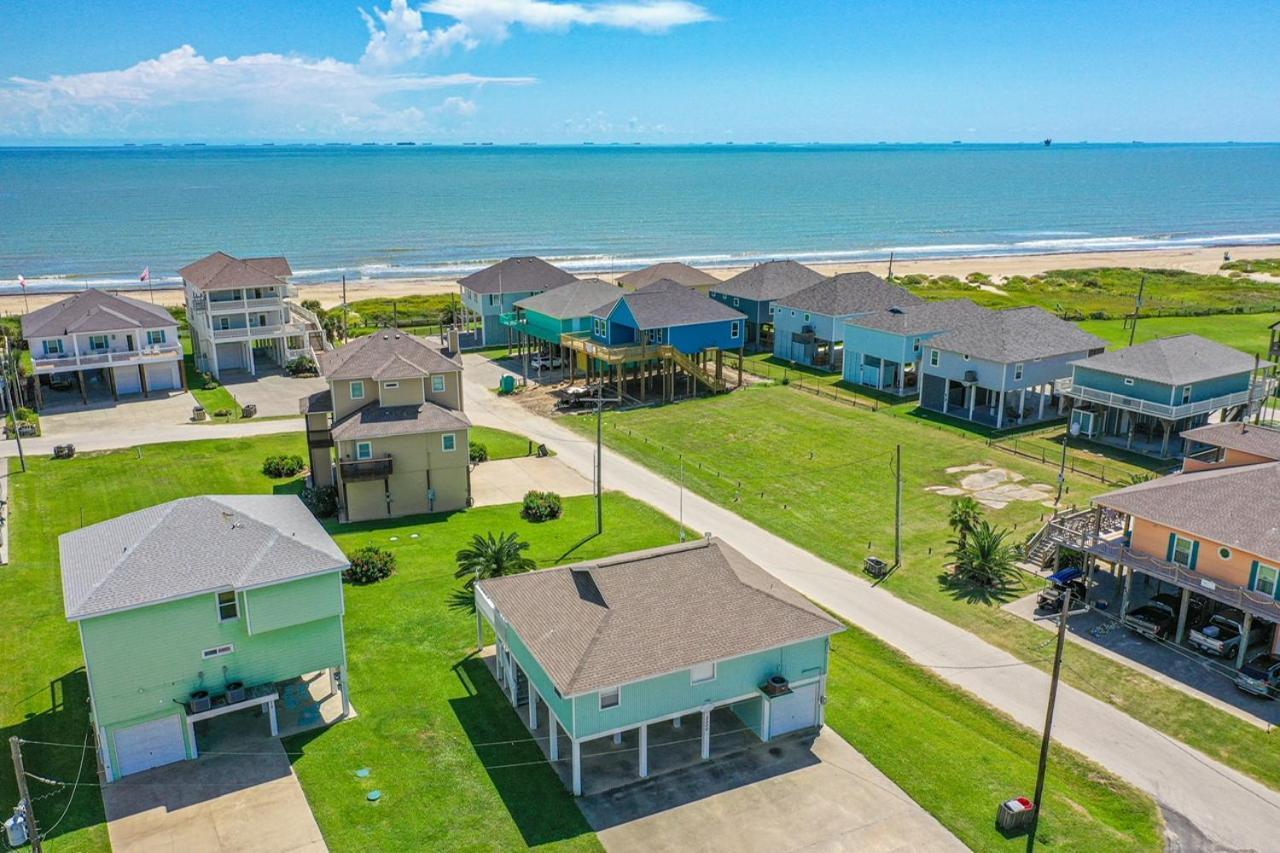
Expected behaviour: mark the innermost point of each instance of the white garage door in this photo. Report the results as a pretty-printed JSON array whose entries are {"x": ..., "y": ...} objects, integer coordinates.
[
  {"x": 149, "y": 744},
  {"x": 162, "y": 377},
  {"x": 127, "y": 381},
  {"x": 231, "y": 356},
  {"x": 796, "y": 710}
]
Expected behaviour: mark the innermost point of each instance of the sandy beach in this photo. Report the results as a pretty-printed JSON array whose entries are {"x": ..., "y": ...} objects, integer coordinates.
[{"x": 1200, "y": 260}]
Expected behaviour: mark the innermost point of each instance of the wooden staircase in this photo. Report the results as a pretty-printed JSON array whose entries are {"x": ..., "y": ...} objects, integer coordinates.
[{"x": 691, "y": 367}]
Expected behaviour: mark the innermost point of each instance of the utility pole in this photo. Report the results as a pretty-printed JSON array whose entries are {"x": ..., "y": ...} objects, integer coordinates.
[
  {"x": 1048, "y": 718},
  {"x": 19, "y": 772},
  {"x": 344, "y": 308},
  {"x": 1137, "y": 308},
  {"x": 897, "y": 507},
  {"x": 1062, "y": 468},
  {"x": 890, "y": 266},
  {"x": 600, "y": 401}
]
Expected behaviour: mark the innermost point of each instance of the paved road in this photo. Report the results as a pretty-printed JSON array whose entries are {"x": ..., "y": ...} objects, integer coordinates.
[
  {"x": 134, "y": 434},
  {"x": 1207, "y": 805}
]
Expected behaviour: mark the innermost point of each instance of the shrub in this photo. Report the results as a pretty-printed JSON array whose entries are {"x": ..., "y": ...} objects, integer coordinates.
[
  {"x": 369, "y": 565},
  {"x": 283, "y": 465},
  {"x": 208, "y": 382},
  {"x": 303, "y": 365},
  {"x": 223, "y": 413},
  {"x": 322, "y": 501},
  {"x": 541, "y": 506},
  {"x": 479, "y": 453}
]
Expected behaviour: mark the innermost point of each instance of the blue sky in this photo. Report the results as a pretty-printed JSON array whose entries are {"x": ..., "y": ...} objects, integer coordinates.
[{"x": 652, "y": 71}]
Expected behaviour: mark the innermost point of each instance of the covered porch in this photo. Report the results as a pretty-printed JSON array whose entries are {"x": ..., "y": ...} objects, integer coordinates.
[
  {"x": 1133, "y": 431},
  {"x": 885, "y": 374},
  {"x": 998, "y": 408}
]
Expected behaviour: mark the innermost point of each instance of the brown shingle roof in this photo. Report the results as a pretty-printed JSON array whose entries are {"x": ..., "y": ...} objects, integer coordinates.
[
  {"x": 94, "y": 311},
  {"x": 673, "y": 270},
  {"x": 374, "y": 421},
  {"x": 221, "y": 271},
  {"x": 1016, "y": 334},
  {"x": 1246, "y": 438},
  {"x": 386, "y": 354},
  {"x": 640, "y": 615},
  {"x": 517, "y": 275}
]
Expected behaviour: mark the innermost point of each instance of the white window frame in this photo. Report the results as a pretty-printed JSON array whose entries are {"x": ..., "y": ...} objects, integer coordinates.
[
  {"x": 387, "y": 385},
  {"x": 224, "y": 323},
  {"x": 1224, "y": 553},
  {"x": 356, "y": 389},
  {"x": 1128, "y": 380},
  {"x": 448, "y": 442},
  {"x": 155, "y": 336},
  {"x": 966, "y": 357},
  {"x": 735, "y": 329},
  {"x": 653, "y": 336},
  {"x": 598, "y": 328},
  {"x": 693, "y": 673},
  {"x": 217, "y": 651},
  {"x": 1190, "y": 543},
  {"x": 360, "y": 456},
  {"x": 1186, "y": 394},
  {"x": 437, "y": 383},
  {"x": 53, "y": 347},
  {"x": 915, "y": 345},
  {"x": 494, "y": 298},
  {"x": 934, "y": 358},
  {"x": 806, "y": 316},
  {"x": 106, "y": 343},
  {"x": 1273, "y": 574},
  {"x": 234, "y": 603},
  {"x": 735, "y": 302},
  {"x": 616, "y": 693},
  {"x": 1017, "y": 372}
]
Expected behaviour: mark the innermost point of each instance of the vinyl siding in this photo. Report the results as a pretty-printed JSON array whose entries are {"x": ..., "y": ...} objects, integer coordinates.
[
  {"x": 559, "y": 706},
  {"x": 1159, "y": 392},
  {"x": 418, "y": 463},
  {"x": 271, "y": 608},
  {"x": 1152, "y": 539}
]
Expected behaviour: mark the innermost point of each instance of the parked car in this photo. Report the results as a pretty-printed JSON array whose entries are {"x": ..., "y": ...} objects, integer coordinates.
[
  {"x": 544, "y": 362},
  {"x": 1222, "y": 635},
  {"x": 1072, "y": 578},
  {"x": 1261, "y": 676},
  {"x": 1158, "y": 618}
]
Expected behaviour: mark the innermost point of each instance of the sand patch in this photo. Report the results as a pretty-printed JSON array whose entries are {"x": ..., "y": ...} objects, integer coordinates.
[{"x": 993, "y": 487}]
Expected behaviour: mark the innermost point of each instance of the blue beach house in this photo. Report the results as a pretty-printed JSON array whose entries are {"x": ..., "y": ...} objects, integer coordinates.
[
  {"x": 494, "y": 291},
  {"x": 692, "y": 648},
  {"x": 809, "y": 324},
  {"x": 883, "y": 349},
  {"x": 754, "y": 291},
  {"x": 669, "y": 313},
  {"x": 1143, "y": 398}
]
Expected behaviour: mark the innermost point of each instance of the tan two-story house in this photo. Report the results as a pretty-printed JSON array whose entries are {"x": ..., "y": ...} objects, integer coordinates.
[{"x": 390, "y": 434}]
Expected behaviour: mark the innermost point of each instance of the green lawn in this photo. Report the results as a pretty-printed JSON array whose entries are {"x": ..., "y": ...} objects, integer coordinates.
[
  {"x": 1246, "y": 332},
  {"x": 500, "y": 443},
  {"x": 1270, "y": 266},
  {"x": 819, "y": 474},
  {"x": 213, "y": 400}
]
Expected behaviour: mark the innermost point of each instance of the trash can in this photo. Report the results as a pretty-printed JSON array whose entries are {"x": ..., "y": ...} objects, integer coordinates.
[
  {"x": 1015, "y": 815},
  {"x": 249, "y": 410},
  {"x": 197, "y": 413},
  {"x": 508, "y": 384}
]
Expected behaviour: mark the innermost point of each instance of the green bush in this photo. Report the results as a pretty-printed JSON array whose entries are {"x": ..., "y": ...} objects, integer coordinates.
[
  {"x": 223, "y": 413},
  {"x": 283, "y": 465},
  {"x": 207, "y": 381},
  {"x": 369, "y": 565},
  {"x": 541, "y": 506},
  {"x": 322, "y": 501},
  {"x": 479, "y": 453},
  {"x": 303, "y": 365}
]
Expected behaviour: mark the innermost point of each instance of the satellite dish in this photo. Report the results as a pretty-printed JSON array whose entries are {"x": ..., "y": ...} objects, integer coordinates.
[{"x": 1075, "y": 428}]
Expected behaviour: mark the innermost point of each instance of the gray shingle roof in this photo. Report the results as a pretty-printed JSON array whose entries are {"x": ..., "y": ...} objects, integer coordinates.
[
  {"x": 572, "y": 300},
  {"x": 321, "y": 402},
  {"x": 770, "y": 280},
  {"x": 639, "y": 615},
  {"x": 849, "y": 293},
  {"x": 221, "y": 271},
  {"x": 516, "y": 275},
  {"x": 1016, "y": 334},
  {"x": 659, "y": 306},
  {"x": 1176, "y": 360},
  {"x": 374, "y": 421},
  {"x": 1246, "y": 438},
  {"x": 673, "y": 270},
  {"x": 191, "y": 546},
  {"x": 94, "y": 311},
  {"x": 921, "y": 318},
  {"x": 1237, "y": 507},
  {"x": 386, "y": 354}
]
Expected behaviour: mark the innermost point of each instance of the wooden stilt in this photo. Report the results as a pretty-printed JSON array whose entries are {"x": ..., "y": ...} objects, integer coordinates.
[{"x": 84, "y": 398}]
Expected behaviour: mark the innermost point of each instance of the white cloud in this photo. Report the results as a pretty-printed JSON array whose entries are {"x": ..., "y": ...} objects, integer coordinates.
[
  {"x": 458, "y": 106},
  {"x": 273, "y": 91},
  {"x": 401, "y": 36}
]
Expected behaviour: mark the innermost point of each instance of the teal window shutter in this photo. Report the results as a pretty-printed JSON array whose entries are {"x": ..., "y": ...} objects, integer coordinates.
[
  {"x": 1253, "y": 575},
  {"x": 1195, "y": 552},
  {"x": 1168, "y": 554}
]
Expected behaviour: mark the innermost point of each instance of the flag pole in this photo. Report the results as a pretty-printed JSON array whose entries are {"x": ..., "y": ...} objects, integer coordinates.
[{"x": 22, "y": 283}]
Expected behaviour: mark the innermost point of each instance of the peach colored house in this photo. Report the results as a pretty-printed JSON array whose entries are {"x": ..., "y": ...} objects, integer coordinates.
[{"x": 1229, "y": 445}]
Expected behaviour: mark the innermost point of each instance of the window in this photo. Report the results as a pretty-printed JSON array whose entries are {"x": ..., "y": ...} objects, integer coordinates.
[
  {"x": 793, "y": 312},
  {"x": 1128, "y": 380},
  {"x": 97, "y": 343},
  {"x": 772, "y": 310},
  {"x": 806, "y": 317},
  {"x": 389, "y": 385},
  {"x": 933, "y": 358},
  {"x": 155, "y": 336},
  {"x": 735, "y": 302},
  {"x": 653, "y": 336},
  {"x": 364, "y": 450},
  {"x": 437, "y": 384},
  {"x": 1186, "y": 393},
  {"x": 224, "y": 323},
  {"x": 53, "y": 347},
  {"x": 915, "y": 345},
  {"x": 735, "y": 329},
  {"x": 448, "y": 442},
  {"x": 1181, "y": 551},
  {"x": 1224, "y": 552},
  {"x": 598, "y": 327},
  {"x": 610, "y": 698},
  {"x": 357, "y": 389},
  {"x": 217, "y": 651},
  {"x": 966, "y": 358},
  {"x": 1266, "y": 580},
  {"x": 1017, "y": 373},
  {"x": 702, "y": 672},
  {"x": 228, "y": 607},
  {"x": 493, "y": 298}
]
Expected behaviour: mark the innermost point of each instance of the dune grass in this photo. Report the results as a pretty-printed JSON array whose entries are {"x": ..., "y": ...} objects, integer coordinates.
[{"x": 1249, "y": 333}]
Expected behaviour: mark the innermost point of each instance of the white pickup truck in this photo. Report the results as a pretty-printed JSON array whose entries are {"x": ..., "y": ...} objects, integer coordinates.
[{"x": 1221, "y": 636}]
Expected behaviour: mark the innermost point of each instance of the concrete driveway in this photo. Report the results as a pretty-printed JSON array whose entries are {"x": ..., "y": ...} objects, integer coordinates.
[
  {"x": 104, "y": 415},
  {"x": 219, "y": 802},
  {"x": 275, "y": 392},
  {"x": 505, "y": 481},
  {"x": 794, "y": 794}
]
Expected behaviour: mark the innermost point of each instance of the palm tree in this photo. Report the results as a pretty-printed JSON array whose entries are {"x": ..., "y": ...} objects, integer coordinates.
[
  {"x": 986, "y": 558},
  {"x": 964, "y": 516},
  {"x": 489, "y": 557}
]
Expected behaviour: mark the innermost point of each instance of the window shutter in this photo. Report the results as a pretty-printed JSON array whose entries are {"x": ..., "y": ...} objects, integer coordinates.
[
  {"x": 1195, "y": 552},
  {"x": 1253, "y": 575},
  {"x": 1168, "y": 554}
]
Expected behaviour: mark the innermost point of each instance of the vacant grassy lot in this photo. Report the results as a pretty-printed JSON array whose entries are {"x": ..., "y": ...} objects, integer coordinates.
[
  {"x": 819, "y": 474},
  {"x": 1246, "y": 332},
  {"x": 500, "y": 443}
]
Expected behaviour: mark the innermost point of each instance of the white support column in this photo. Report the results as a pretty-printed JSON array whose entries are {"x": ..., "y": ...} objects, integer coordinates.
[
  {"x": 1043, "y": 397},
  {"x": 1022, "y": 403},
  {"x": 764, "y": 718},
  {"x": 533, "y": 708},
  {"x": 553, "y": 731},
  {"x": 577, "y": 768},
  {"x": 346, "y": 696},
  {"x": 644, "y": 750},
  {"x": 946, "y": 392},
  {"x": 1000, "y": 411},
  {"x": 973, "y": 397},
  {"x": 479, "y": 630},
  {"x": 271, "y": 716},
  {"x": 1243, "y": 652},
  {"x": 191, "y": 739},
  {"x": 706, "y": 734}
]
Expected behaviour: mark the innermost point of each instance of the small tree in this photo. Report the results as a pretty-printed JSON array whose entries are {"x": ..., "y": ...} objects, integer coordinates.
[
  {"x": 322, "y": 501},
  {"x": 369, "y": 565},
  {"x": 479, "y": 453},
  {"x": 541, "y": 506},
  {"x": 490, "y": 557},
  {"x": 283, "y": 465},
  {"x": 964, "y": 516},
  {"x": 986, "y": 558}
]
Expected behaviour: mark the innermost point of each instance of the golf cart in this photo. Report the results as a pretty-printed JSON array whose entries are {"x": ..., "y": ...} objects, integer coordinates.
[{"x": 1070, "y": 578}]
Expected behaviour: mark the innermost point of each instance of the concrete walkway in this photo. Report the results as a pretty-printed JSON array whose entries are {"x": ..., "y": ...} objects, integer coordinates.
[
  {"x": 1206, "y": 804},
  {"x": 505, "y": 481}
]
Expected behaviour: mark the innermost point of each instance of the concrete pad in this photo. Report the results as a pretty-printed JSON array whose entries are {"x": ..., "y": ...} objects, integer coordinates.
[
  {"x": 106, "y": 416},
  {"x": 505, "y": 481},
  {"x": 276, "y": 393},
  {"x": 976, "y": 466},
  {"x": 984, "y": 480}
]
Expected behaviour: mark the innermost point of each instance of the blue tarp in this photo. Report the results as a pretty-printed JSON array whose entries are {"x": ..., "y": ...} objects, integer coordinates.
[{"x": 1065, "y": 576}]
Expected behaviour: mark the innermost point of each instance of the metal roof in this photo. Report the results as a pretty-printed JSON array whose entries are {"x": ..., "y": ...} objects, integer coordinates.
[
  {"x": 221, "y": 271},
  {"x": 636, "y": 616},
  {"x": 386, "y": 354},
  {"x": 1176, "y": 360},
  {"x": 1016, "y": 334},
  {"x": 770, "y": 280},
  {"x": 849, "y": 293},
  {"x": 676, "y": 271},
  {"x": 94, "y": 311},
  {"x": 191, "y": 546},
  {"x": 517, "y": 275}
]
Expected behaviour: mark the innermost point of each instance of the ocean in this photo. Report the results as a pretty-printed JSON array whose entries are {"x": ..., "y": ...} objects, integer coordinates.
[{"x": 71, "y": 216}]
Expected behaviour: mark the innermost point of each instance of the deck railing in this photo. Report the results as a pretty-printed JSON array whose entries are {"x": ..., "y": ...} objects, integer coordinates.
[
  {"x": 67, "y": 361},
  {"x": 365, "y": 469},
  {"x": 1258, "y": 392}
]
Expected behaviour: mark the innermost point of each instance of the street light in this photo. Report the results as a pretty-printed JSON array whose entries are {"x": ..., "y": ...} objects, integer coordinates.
[{"x": 1072, "y": 432}]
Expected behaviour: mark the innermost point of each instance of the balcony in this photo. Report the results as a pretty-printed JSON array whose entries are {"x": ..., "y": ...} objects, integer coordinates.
[
  {"x": 266, "y": 303},
  {"x": 271, "y": 330},
  {"x": 1260, "y": 391},
  {"x": 110, "y": 358},
  {"x": 354, "y": 470},
  {"x": 317, "y": 438}
]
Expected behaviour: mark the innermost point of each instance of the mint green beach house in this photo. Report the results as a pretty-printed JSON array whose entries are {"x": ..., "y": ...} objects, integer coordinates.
[
  {"x": 563, "y": 310},
  {"x": 609, "y": 660},
  {"x": 200, "y": 608}
]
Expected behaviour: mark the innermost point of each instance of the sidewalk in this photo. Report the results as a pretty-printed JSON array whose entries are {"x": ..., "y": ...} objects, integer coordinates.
[
  {"x": 113, "y": 439},
  {"x": 1208, "y": 802}
]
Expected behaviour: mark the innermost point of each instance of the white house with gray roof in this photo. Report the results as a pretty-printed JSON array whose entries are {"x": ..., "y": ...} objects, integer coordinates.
[
  {"x": 809, "y": 324},
  {"x": 203, "y": 607},
  {"x": 490, "y": 293},
  {"x": 754, "y": 291},
  {"x": 883, "y": 349}
]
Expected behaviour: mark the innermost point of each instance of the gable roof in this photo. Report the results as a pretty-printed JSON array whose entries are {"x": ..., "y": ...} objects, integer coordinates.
[
  {"x": 190, "y": 546},
  {"x": 660, "y": 306},
  {"x": 374, "y": 421},
  {"x": 517, "y": 275},
  {"x": 94, "y": 311},
  {"x": 921, "y": 318},
  {"x": 575, "y": 299},
  {"x": 769, "y": 280},
  {"x": 648, "y": 613},
  {"x": 1016, "y": 334},
  {"x": 1176, "y": 360},
  {"x": 1238, "y": 507},
  {"x": 1246, "y": 438},
  {"x": 849, "y": 293},
  {"x": 221, "y": 271},
  {"x": 676, "y": 271},
  {"x": 384, "y": 355}
]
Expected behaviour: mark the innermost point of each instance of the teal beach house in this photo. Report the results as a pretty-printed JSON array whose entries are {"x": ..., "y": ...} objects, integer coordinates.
[
  {"x": 493, "y": 291},
  {"x": 883, "y": 349},
  {"x": 681, "y": 647},
  {"x": 202, "y": 608},
  {"x": 809, "y": 324},
  {"x": 753, "y": 292},
  {"x": 1144, "y": 397}
]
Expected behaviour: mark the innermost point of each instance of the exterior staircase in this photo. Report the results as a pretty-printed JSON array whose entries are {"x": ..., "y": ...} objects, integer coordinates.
[
  {"x": 691, "y": 367},
  {"x": 316, "y": 338}
]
